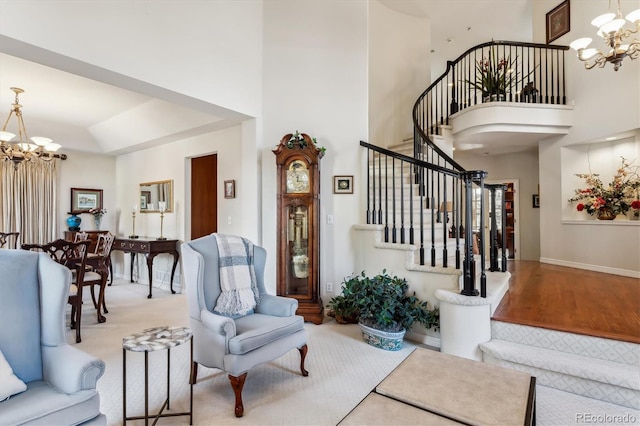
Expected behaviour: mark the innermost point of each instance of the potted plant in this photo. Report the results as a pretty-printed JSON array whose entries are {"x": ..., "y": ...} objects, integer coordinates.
[
  {"x": 385, "y": 309},
  {"x": 343, "y": 307},
  {"x": 496, "y": 75}
]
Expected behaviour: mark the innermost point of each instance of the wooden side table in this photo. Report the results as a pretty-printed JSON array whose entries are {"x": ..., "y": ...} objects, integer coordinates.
[
  {"x": 150, "y": 248},
  {"x": 148, "y": 340}
]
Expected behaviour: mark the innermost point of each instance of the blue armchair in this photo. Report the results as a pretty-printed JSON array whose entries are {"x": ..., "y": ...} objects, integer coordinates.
[
  {"x": 236, "y": 344},
  {"x": 60, "y": 379}
]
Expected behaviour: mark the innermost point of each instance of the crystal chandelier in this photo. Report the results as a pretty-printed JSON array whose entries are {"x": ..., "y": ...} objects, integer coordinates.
[
  {"x": 610, "y": 28},
  {"x": 23, "y": 150}
]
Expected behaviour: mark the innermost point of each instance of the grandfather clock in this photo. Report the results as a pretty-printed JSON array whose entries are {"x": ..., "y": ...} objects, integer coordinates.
[{"x": 298, "y": 161}]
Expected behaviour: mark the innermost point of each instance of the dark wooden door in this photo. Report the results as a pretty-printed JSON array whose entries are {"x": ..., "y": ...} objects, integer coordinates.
[{"x": 204, "y": 195}]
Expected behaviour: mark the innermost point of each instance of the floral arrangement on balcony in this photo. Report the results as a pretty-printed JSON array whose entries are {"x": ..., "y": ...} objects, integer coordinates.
[
  {"x": 616, "y": 198},
  {"x": 495, "y": 75}
]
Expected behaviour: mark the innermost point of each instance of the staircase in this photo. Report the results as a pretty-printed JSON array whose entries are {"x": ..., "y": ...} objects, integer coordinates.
[
  {"x": 400, "y": 210},
  {"x": 603, "y": 369},
  {"x": 584, "y": 373}
]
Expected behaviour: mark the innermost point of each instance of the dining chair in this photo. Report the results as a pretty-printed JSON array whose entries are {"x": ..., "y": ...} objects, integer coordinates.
[
  {"x": 73, "y": 255},
  {"x": 6, "y": 237},
  {"x": 97, "y": 271},
  {"x": 80, "y": 236}
]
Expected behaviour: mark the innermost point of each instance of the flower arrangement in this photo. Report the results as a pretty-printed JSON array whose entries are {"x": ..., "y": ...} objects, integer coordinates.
[
  {"x": 495, "y": 75},
  {"x": 98, "y": 213},
  {"x": 617, "y": 198}
]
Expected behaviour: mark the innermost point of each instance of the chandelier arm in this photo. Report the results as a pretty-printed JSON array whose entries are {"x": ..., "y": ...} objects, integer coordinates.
[
  {"x": 21, "y": 127},
  {"x": 4, "y": 127}
]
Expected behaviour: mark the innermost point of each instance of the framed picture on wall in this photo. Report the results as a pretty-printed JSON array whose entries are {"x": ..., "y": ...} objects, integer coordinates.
[
  {"x": 343, "y": 184},
  {"x": 229, "y": 189},
  {"x": 83, "y": 200},
  {"x": 558, "y": 21},
  {"x": 536, "y": 201}
]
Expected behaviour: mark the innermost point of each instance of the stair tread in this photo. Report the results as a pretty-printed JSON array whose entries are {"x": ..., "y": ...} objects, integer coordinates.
[{"x": 611, "y": 372}]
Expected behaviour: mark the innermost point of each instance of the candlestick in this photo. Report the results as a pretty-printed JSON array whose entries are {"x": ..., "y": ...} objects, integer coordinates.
[
  {"x": 133, "y": 215},
  {"x": 161, "y": 237}
]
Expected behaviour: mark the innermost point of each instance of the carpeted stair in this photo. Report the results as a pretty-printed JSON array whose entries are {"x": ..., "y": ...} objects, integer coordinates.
[{"x": 602, "y": 369}]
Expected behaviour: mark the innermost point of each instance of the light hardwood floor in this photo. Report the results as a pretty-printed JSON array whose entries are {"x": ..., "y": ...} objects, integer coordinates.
[{"x": 572, "y": 300}]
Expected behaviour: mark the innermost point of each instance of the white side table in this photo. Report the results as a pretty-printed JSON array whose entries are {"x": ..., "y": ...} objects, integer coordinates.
[{"x": 155, "y": 339}]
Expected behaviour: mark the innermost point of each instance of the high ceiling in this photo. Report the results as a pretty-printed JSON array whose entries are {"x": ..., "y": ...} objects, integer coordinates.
[{"x": 86, "y": 115}]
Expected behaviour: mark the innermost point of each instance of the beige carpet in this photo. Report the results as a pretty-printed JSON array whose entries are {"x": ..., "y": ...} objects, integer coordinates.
[
  {"x": 342, "y": 371},
  {"x": 342, "y": 368}
]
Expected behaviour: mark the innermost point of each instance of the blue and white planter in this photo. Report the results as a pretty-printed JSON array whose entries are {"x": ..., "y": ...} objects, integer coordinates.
[{"x": 389, "y": 341}]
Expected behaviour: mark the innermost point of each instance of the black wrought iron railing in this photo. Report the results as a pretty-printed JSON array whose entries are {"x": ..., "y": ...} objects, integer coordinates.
[
  {"x": 431, "y": 201},
  {"x": 497, "y": 71}
]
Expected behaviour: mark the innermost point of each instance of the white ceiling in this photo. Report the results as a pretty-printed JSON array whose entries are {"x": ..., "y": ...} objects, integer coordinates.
[{"x": 86, "y": 115}]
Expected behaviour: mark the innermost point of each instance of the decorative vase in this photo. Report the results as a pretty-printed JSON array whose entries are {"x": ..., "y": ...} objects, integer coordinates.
[
  {"x": 387, "y": 340},
  {"x": 98, "y": 221},
  {"x": 73, "y": 222},
  {"x": 606, "y": 213}
]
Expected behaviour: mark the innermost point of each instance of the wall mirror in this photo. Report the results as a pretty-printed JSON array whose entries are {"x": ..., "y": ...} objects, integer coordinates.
[{"x": 153, "y": 193}]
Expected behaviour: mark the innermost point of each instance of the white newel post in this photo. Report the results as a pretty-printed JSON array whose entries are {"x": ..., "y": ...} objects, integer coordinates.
[{"x": 465, "y": 322}]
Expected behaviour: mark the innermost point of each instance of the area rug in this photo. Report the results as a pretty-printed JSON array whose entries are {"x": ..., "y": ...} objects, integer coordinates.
[{"x": 342, "y": 369}]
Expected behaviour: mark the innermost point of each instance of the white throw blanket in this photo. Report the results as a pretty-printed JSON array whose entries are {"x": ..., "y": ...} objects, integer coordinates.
[{"x": 237, "y": 276}]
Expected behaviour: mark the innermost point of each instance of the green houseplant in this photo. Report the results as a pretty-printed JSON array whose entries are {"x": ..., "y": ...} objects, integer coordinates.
[
  {"x": 343, "y": 307},
  {"x": 385, "y": 309}
]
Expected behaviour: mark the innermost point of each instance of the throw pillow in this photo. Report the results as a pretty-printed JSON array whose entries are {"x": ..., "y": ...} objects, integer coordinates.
[{"x": 10, "y": 384}]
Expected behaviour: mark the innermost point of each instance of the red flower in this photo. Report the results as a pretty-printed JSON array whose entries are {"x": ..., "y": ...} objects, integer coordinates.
[
  {"x": 580, "y": 207},
  {"x": 635, "y": 204}
]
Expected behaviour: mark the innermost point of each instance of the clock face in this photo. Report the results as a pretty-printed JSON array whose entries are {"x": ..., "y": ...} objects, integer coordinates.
[{"x": 297, "y": 177}]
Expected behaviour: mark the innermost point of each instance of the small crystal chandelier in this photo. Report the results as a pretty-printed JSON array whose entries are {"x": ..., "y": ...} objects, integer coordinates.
[
  {"x": 23, "y": 150},
  {"x": 610, "y": 29}
]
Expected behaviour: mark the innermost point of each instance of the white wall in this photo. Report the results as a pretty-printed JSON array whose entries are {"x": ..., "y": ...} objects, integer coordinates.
[
  {"x": 606, "y": 103},
  {"x": 315, "y": 81},
  {"x": 207, "y": 50},
  {"x": 398, "y": 72}
]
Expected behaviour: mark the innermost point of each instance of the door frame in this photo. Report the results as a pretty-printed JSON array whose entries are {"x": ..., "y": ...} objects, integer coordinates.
[{"x": 516, "y": 215}]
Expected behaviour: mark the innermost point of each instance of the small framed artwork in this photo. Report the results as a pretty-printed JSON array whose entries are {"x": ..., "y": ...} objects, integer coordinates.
[
  {"x": 558, "y": 21},
  {"x": 83, "y": 200},
  {"x": 343, "y": 184},
  {"x": 229, "y": 189},
  {"x": 536, "y": 201},
  {"x": 145, "y": 199}
]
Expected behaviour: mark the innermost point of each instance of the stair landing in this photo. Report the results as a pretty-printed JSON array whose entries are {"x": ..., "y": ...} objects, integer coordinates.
[{"x": 572, "y": 300}]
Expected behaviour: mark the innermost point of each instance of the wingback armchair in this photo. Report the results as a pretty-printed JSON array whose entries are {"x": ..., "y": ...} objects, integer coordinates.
[
  {"x": 235, "y": 345},
  {"x": 60, "y": 379}
]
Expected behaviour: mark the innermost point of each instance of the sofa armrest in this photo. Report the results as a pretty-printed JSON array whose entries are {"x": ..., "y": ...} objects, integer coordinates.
[
  {"x": 277, "y": 306},
  {"x": 70, "y": 369}
]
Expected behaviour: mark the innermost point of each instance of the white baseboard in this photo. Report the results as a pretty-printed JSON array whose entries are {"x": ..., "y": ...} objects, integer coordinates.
[
  {"x": 588, "y": 267},
  {"x": 424, "y": 339}
]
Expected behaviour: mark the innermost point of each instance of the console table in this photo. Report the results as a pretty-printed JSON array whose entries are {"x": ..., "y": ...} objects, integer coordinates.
[{"x": 150, "y": 248}]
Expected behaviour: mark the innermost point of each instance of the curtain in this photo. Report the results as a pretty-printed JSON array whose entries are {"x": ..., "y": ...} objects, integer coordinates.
[{"x": 28, "y": 200}]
